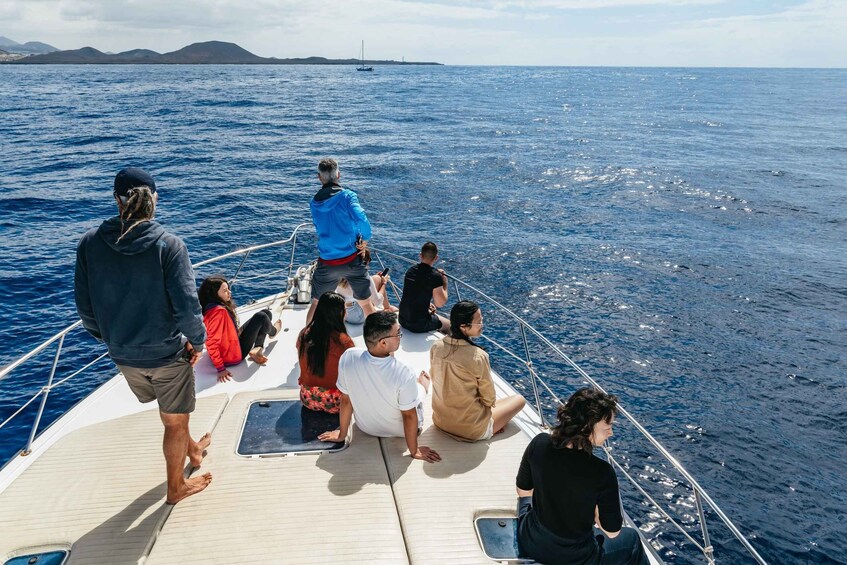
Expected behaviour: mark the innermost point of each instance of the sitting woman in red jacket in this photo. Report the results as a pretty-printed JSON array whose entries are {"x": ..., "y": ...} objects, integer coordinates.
[
  {"x": 319, "y": 346},
  {"x": 227, "y": 343}
]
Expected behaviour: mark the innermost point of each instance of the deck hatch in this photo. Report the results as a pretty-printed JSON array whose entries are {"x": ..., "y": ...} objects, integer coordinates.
[
  {"x": 285, "y": 427},
  {"x": 499, "y": 538},
  {"x": 46, "y": 558}
]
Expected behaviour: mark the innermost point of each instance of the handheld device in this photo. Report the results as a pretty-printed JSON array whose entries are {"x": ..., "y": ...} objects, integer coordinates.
[
  {"x": 187, "y": 353},
  {"x": 385, "y": 271}
]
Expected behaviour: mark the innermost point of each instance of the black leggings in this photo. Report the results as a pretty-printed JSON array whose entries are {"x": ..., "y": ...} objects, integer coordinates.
[{"x": 253, "y": 333}]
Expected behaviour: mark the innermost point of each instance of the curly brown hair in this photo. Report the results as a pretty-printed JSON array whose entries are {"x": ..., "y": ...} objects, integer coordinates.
[{"x": 578, "y": 416}]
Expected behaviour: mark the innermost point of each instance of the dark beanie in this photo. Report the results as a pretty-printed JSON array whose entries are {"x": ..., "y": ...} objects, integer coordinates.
[{"x": 131, "y": 178}]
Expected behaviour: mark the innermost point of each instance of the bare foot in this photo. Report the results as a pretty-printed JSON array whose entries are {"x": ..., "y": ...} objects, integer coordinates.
[
  {"x": 500, "y": 431},
  {"x": 257, "y": 357},
  {"x": 197, "y": 454},
  {"x": 257, "y": 354},
  {"x": 191, "y": 486}
]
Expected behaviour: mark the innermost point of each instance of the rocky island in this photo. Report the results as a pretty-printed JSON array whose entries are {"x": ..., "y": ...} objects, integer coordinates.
[{"x": 205, "y": 53}]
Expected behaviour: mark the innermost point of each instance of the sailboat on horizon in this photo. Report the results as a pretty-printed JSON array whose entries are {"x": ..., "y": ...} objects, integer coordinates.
[{"x": 362, "y": 66}]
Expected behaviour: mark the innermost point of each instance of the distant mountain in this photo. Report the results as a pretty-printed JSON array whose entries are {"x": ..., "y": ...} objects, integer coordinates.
[
  {"x": 28, "y": 48},
  {"x": 206, "y": 53},
  {"x": 74, "y": 56},
  {"x": 212, "y": 52},
  {"x": 139, "y": 54},
  {"x": 38, "y": 47}
]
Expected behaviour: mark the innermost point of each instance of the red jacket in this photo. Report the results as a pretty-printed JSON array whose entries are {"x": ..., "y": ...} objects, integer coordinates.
[{"x": 221, "y": 338}]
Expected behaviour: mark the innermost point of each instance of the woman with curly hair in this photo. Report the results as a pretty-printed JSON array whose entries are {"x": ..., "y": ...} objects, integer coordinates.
[
  {"x": 227, "y": 342},
  {"x": 319, "y": 347},
  {"x": 564, "y": 491}
]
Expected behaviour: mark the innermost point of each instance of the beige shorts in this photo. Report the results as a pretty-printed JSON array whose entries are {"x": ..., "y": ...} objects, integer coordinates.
[
  {"x": 172, "y": 385},
  {"x": 489, "y": 431}
]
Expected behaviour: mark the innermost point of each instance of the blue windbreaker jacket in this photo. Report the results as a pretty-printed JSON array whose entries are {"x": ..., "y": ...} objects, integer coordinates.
[{"x": 338, "y": 220}]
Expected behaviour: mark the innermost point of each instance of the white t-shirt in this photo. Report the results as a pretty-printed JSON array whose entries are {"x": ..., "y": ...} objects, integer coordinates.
[
  {"x": 379, "y": 388},
  {"x": 347, "y": 293}
]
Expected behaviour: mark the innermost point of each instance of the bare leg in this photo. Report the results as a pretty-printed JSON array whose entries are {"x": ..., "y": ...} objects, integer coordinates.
[
  {"x": 175, "y": 446},
  {"x": 311, "y": 311},
  {"x": 382, "y": 288},
  {"x": 505, "y": 409},
  {"x": 367, "y": 306},
  {"x": 445, "y": 324}
]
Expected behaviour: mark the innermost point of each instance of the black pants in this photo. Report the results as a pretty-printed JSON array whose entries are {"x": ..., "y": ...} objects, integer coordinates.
[{"x": 253, "y": 333}]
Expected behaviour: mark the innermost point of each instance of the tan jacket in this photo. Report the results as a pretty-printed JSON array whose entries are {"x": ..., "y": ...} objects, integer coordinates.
[{"x": 462, "y": 390}]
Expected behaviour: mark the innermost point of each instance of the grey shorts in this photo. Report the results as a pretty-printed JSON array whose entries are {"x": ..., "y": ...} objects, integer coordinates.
[
  {"x": 326, "y": 278},
  {"x": 172, "y": 385}
]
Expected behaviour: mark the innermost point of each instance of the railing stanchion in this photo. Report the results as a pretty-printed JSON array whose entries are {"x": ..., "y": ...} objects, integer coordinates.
[
  {"x": 458, "y": 294},
  {"x": 293, "y": 249},
  {"x": 238, "y": 270},
  {"x": 532, "y": 378},
  {"x": 701, "y": 496},
  {"x": 708, "y": 550},
  {"x": 46, "y": 391}
]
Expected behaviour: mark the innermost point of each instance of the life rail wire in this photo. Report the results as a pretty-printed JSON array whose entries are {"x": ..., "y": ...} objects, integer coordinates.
[
  {"x": 652, "y": 501},
  {"x": 698, "y": 490},
  {"x": 695, "y": 486},
  {"x": 21, "y": 409}
]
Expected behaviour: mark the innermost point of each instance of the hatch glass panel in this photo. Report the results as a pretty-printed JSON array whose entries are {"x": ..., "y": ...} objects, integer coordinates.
[
  {"x": 45, "y": 558},
  {"x": 284, "y": 427},
  {"x": 499, "y": 538}
]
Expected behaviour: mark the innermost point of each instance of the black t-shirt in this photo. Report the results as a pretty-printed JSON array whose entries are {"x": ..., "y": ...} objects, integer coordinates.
[
  {"x": 418, "y": 284},
  {"x": 568, "y": 484}
]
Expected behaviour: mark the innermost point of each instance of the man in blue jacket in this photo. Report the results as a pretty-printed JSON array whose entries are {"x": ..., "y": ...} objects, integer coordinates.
[
  {"x": 343, "y": 234},
  {"x": 134, "y": 290}
]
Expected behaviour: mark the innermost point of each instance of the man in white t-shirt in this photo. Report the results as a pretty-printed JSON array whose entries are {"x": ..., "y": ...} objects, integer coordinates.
[{"x": 380, "y": 390}]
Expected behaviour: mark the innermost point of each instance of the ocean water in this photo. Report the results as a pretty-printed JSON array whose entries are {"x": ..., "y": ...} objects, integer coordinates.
[{"x": 680, "y": 233}]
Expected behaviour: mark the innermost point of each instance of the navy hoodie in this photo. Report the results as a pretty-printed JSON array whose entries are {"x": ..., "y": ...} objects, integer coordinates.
[{"x": 138, "y": 295}]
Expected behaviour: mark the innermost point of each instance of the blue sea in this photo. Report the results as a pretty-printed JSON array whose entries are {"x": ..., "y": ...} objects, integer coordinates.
[{"x": 680, "y": 233}]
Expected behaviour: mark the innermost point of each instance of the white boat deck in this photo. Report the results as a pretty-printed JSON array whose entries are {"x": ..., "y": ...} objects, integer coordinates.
[{"x": 95, "y": 482}]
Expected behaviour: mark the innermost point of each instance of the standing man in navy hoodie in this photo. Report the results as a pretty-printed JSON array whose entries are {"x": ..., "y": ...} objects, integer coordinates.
[
  {"x": 343, "y": 234},
  {"x": 134, "y": 290}
]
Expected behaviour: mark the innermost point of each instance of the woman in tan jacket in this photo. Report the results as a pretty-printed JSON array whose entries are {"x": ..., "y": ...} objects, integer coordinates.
[{"x": 463, "y": 400}]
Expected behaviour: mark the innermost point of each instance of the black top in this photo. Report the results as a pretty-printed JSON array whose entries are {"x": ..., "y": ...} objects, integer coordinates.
[
  {"x": 417, "y": 293},
  {"x": 327, "y": 191},
  {"x": 568, "y": 484}
]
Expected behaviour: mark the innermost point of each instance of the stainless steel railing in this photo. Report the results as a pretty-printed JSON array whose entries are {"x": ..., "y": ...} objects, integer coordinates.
[
  {"x": 536, "y": 382},
  {"x": 700, "y": 495},
  {"x": 59, "y": 339}
]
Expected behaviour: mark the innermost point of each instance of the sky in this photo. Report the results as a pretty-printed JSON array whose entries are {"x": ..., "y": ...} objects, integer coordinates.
[{"x": 688, "y": 33}]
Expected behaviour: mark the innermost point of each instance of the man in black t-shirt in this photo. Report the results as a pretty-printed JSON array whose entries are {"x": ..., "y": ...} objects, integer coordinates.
[{"x": 424, "y": 290}]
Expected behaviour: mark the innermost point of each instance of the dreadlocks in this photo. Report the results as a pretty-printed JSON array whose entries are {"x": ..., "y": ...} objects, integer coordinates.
[{"x": 138, "y": 206}]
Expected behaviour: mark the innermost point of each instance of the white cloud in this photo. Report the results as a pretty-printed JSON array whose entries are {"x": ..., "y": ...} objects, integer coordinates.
[{"x": 461, "y": 32}]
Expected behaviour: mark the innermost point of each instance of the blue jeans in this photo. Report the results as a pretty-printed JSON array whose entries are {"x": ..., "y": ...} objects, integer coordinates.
[{"x": 625, "y": 548}]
